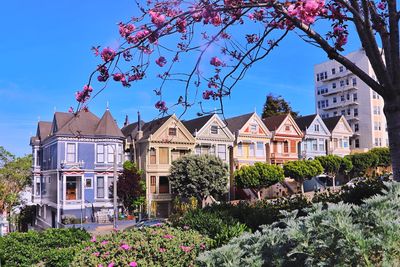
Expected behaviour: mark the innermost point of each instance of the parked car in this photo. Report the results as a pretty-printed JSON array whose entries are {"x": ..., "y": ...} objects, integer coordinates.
[
  {"x": 354, "y": 181},
  {"x": 150, "y": 223}
]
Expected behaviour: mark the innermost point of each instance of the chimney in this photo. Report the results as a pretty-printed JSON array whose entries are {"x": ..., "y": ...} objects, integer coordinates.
[
  {"x": 138, "y": 120},
  {"x": 126, "y": 121}
]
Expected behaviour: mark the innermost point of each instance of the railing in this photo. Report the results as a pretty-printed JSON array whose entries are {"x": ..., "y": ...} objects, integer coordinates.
[{"x": 340, "y": 89}]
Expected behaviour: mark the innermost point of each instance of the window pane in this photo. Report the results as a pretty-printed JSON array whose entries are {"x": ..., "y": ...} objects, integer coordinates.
[
  {"x": 153, "y": 156},
  {"x": 100, "y": 187},
  {"x": 222, "y": 152},
  {"x": 110, "y": 153},
  {"x": 164, "y": 155},
  {"x": 214, "y": 129}
]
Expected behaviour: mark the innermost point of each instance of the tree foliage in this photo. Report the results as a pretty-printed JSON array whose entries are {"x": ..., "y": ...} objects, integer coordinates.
[
  {"x": 277, "y": 106},
  {"x": 301, "y": 170},
  {"x": 131, "y": 188},
  {"x": 383, "y": 155},
  {"x": 258, "y": 176},
  {"x": 15, "y": 175},
  {"x": 199, "y": 176},
  {"x": 333, "y": 164},
  {"x": 362, "y": 162}
]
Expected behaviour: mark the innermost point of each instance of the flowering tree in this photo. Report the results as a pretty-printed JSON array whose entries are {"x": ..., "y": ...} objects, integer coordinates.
[{"x": 212, "y": 31}]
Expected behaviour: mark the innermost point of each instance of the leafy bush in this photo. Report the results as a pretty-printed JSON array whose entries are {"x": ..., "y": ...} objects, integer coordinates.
[
  {"x": 337, "y": 235},
  {"x": 218, "y": 226},
  {"x": 266, "y": 211},
  {"x": 383, "y": 154},
  {"x": 362, "y": 162},
  {"x": 53, "y": 247},
  {"x": 301, "y": 170},
  {"x": 155, "y": 246}
]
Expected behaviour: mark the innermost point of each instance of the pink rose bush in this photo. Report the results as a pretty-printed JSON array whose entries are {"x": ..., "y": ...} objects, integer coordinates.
[{"x": 155, "y": 246}]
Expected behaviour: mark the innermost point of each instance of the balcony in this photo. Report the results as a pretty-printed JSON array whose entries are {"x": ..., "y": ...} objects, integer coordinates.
[
  {"x": 337, "y": 75},
  {"x": 340, "y": 89},
  {"x": 341, "y": 104}
]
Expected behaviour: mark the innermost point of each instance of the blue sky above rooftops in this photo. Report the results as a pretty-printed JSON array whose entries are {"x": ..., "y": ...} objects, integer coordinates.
[{"x": 46, "y": 58}]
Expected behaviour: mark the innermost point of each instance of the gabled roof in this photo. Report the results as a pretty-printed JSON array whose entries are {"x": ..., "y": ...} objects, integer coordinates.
[
  {"x": 274, "y": 122},
  {"x": 196, "y": 124},
  {"x": 83, "y": 123},
  {"x": 305, "y": 121},
  {"x": 152, "y": 126},
  {"x": 107, "y": 126},
  {"x": 331, "y": 122},
  {"x": 130, "y": 130},
  {"x": 43, "y": 130},
  {"x": 236, "y": 123},
  {"x": 60, "y": 119}
]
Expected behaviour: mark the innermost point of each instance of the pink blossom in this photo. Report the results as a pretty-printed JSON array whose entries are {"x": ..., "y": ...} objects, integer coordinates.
[
  {"x": 207, "y": 94},
  {"x": 100, "y": 265},
  {"x": 157, "y": 18},
  {"x": 125, "y": 247},
  {"x": 82, "y": 97},
  {"x": 161, "y": 106},
  {"x": 105, "y": 242},
  {"x": 202, "y": 246},
  {"x": 126, "y": 29},
  {"x": 216, "y": 20},
  {"x": 111, "y": 264},
  {"x": 181, "y": 25},
  {"x": 161, "y": 61},
  {"x": 133, "y": 264},
  {"x": 186, "y": 249},
  {"x": 118, "y": 77},
  {"x": 71, "y": 110},
  {"x": 162, "y": 250},
  {"x": 96, "y": 254},
  {"x": 216, "y": 62},
  {"x": 381, "y": 5},
  {"x": 107, "y": 54},
  {"x": 168, "y": 236},
  {"x": 93, "y": 239}
]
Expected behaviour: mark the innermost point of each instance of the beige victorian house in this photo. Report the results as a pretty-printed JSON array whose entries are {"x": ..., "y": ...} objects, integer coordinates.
[
  {"x": 158, "y": 143},
  {"x": 341, "y": 133}
]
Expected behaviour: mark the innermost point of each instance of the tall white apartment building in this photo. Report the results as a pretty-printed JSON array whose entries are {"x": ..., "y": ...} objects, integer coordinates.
[{"x": 339, "y": 92}]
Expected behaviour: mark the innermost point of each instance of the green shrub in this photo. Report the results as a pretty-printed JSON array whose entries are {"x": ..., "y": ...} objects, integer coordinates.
[
  {"x": 333, "y": 235},
  {"x": 153, "y": 246},
  {"x": 218, "y": 226},
  {"x": 53, "y": 247}
]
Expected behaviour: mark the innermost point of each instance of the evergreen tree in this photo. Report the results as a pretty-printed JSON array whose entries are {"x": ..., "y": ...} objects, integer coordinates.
[{"x": 277, "y": 105}]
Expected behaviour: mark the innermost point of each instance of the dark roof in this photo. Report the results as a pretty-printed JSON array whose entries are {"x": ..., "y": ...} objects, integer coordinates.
[
  {"x": 274, "y": 122},
  {"x": 83, "y": 123},
  {"x": 107, "y": 126},
  {"x": 61, "y": 118},
  {"x": 196, "y": 124},
  {"x": 130, "y": 130},
  {"x": 43, "y": 130},
  {"x": 236, "y": 123},
  {"x": 305, "y": 121},
  {"x": 152, "y": 126},
  {"x": 331, "y": 122}
]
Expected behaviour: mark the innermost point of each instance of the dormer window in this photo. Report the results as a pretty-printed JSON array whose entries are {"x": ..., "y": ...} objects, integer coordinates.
[
  {"x": 214, "y": 129},
  {"x": 172, "y": 131}
]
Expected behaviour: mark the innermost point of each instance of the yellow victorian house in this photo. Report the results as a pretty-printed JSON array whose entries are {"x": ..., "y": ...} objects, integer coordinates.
[
  {"x": 251, "y": 140},
  {"x": 158, "y": 143}
]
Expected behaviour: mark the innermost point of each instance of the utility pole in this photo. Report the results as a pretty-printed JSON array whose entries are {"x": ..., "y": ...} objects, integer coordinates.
[{"x": 115, "y": 188}]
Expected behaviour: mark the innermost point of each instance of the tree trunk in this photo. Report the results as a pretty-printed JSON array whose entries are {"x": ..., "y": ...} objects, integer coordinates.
[
  {"x": 334, "y": 182},
  {"x": 392, "y": 112},
  {"x": 259, "y": 195},
  {"x": 302, "y": 187}
]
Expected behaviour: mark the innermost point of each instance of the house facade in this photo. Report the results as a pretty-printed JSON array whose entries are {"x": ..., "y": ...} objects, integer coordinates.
[
  {"x": 212, "y": 136},
  {"x": 341, "y": 133},
  {"x": 316, "y": 136},
  {"x": 158, "y": 143},
  {"x": 72, "y": 169},
  {"x": 252, "y": 140},
  {"x": 286, "y": 137}
]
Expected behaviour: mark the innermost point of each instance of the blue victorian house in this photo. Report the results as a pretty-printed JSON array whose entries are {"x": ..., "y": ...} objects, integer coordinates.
[{"x": 73, "y": 158}]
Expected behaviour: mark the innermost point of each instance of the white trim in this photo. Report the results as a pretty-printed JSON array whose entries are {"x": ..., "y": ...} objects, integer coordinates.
[
  {"x": 91, "y": 183},
  {"x": 66, "y": 152}
]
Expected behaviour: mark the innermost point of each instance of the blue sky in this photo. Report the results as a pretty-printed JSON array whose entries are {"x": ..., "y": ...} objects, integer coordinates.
[{"x": 45, "y": 53}]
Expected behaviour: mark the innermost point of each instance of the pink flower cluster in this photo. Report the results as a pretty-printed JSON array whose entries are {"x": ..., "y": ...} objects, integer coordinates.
[
  {"x": 168, "y": 236},
  {"x": 133, "y": 264},
  {"x": 157, "y": 18},
  {"x": 103, "y": 73},
  {"x": 82, "y": 97},
  {"x": 107, "y": 54},
  {"x": 161, "y": 106},
  {"x": 216, "y": 62},
  {"x": 125, "y": 247},
  {"x": 161, "y": 61},
  {"x": 307, "y": 10},
  {"x": 340, "y": 34},
  {"x": 207, "y": 94},
  {"x": 139, "y": 36},
  {"x": 186, "y": 249},
  {"x": 125, "y": 29}
]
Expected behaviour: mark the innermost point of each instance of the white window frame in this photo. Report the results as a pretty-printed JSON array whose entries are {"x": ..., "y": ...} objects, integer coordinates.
[
  {"x": 70, "y": 153},
  {"x": 214, "y": 127},
  {"x": 104, "y": 187},
  {"x": 103, "y": 153},
  {"x": 91, "y": 182},
  {"x": 221, "y": 152}
]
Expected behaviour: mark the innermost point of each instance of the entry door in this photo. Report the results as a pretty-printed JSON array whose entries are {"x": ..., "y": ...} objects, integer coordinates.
[
  {"x": 53, "y": 219},
  {"x": 71, "y": 192}
]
